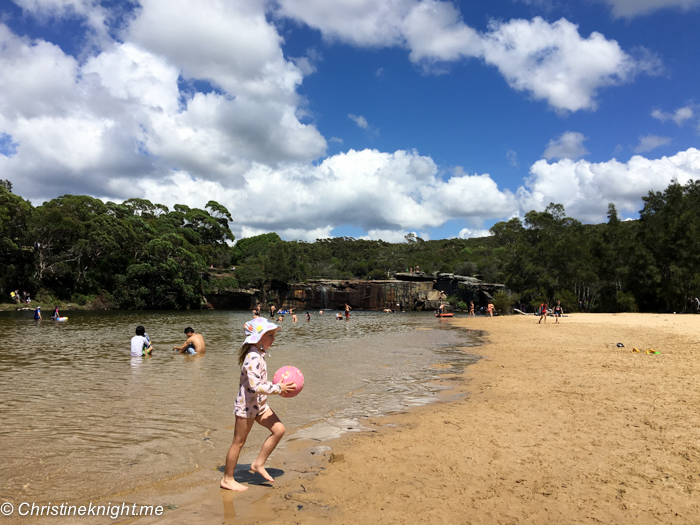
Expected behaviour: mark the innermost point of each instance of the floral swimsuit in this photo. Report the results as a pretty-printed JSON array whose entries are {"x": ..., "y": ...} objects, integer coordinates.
[{"x": 251, "y": 400}]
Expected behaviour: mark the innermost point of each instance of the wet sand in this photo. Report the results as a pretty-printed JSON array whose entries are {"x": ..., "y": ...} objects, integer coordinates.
[{"x": 559, "y": 425}]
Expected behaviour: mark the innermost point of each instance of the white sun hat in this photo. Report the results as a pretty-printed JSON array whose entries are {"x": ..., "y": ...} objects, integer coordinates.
[{"x": 256, "y": 328}]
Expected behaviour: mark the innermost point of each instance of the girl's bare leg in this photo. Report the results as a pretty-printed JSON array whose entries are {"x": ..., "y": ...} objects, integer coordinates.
[
  {"x": 240, "y": 434},
  {"x": 271, "y": 422}
]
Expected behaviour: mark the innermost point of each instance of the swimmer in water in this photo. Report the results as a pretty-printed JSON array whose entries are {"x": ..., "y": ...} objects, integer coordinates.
[
  {"x": 140, "y": 345},
  {"x": 193, "y": 345}
]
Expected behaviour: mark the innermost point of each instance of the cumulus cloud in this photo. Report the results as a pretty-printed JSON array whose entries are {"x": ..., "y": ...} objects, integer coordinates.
[
  {"x": 632, "y": 8},
  {"x": 651, "y": 142},
  {"x": 467, "y": 233},
  {"x": 120, "y": 114},
  {"x": 390, "y": 192},
  {"x": 392, "y": 235},
  {"x": 586, "y": 188},
  {"x": 679, "y": 116},
  {"x": 569, "y": 145},
  {"x": 96, "y": 17},
  {"x": 550, "y": 61}
]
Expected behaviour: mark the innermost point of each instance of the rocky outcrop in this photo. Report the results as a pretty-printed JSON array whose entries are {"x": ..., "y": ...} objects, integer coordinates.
[{"x": 408, "y": 291}]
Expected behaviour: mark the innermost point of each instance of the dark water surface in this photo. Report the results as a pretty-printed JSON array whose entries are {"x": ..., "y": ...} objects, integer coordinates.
[{"x": 81, "y": 419}]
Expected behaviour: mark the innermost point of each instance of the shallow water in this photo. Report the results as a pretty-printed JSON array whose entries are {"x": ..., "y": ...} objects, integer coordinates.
[{"x": 81, "y": 419}]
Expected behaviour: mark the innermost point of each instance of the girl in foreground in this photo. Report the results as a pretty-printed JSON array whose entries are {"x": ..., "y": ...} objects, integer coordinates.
[{"x": 251, "y": 402}]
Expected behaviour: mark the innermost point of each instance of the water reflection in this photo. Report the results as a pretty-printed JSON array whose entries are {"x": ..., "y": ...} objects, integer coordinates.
[{"x": 81, "y": 418}]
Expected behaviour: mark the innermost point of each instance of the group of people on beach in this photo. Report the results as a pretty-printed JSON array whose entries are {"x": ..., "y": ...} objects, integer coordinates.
[
  {"x": 557, "y": 312},
  {"x": 20, "y": 298}
]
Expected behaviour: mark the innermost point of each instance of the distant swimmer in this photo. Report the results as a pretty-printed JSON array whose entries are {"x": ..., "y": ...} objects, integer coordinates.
[
  {"x": 193, "y": 345},
  {"x": 339, "y": 316},
  {"x": 308, "y": 317},
  {"x": 140, "y": 343},
  {"x": 37, "y": 313}
]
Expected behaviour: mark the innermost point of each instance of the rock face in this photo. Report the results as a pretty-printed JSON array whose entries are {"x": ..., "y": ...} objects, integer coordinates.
[{"x": 408, "y": 291}]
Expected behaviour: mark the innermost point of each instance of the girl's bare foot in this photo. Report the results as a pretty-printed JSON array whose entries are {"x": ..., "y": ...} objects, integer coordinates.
[
  {"x": 232, "y": 484},
  {"x": 261, "y": 470}
]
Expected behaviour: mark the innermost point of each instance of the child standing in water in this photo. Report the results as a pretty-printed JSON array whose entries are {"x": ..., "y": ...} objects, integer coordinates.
[{"x": 251, "y": 402}]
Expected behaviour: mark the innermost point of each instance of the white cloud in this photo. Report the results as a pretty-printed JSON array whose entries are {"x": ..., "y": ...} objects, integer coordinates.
[
  {"x": 586, "y": 188},
  {"x": 569, "y": 145},
  {"x": 121, "y": 113},
  {"x": 390, "y": 192},
  {"x": 230, "y": 44},
  {"x": 554, "y": 63},
  {"x": 679, "y": 116},
  {"x": 95, "y": 16},
  {"x": 392, "y": 235},
  {"x": 466, "y": 233},
  {"x": 512, "y": 157},
  {"x": 551, "y": 61},
  {"x": 632, "y": 8},
  {"x": 359, "y": 120},
  {"x": 651, "y": 142},
  {"x": 364, "y": 23}
]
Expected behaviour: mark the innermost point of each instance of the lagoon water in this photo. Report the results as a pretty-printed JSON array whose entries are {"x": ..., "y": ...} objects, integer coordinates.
[{"x": 82, "y": 420}]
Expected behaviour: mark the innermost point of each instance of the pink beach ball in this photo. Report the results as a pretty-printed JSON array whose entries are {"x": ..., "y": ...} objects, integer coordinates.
[{"x": 289, "y": 374}]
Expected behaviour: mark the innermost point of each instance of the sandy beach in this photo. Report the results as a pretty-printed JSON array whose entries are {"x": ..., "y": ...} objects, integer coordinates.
[{"x": 559, "y": 425}]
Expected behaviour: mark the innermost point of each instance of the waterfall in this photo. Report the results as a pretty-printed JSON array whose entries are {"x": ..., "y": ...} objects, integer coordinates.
[{"x": 324, "y": 296}]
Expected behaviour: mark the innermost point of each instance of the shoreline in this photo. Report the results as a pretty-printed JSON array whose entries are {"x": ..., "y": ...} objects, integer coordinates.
[{"x": 559, "y": 425}]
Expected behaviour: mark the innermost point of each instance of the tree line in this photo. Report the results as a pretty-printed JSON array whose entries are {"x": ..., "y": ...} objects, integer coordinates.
[{"x": 137, "y": 254}]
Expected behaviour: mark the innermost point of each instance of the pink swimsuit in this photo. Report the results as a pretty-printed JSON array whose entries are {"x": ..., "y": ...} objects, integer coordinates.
[{"x": 251, "y": 400}]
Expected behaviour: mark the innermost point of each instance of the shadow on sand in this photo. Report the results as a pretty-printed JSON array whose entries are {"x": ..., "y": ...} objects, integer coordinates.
[{"x": 243, "y": 474}]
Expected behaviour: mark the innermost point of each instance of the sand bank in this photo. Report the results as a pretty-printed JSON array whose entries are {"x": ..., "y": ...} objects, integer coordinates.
[{"x": 559, "y": 426}]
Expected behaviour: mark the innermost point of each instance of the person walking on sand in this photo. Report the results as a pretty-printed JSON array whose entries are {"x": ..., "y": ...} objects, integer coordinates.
[
  {"x": 543, "y": 313},
  {"x": 558, "y": 312},
  {"x": 193, "y": 345},
  {"x": 251, "y": 402},
  {"x": 491, "y": 309},
  {"x": 471, "y": 309}
]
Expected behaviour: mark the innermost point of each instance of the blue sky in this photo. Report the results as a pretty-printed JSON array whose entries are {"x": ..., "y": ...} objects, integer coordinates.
[{"x": 317, "y": 118}]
